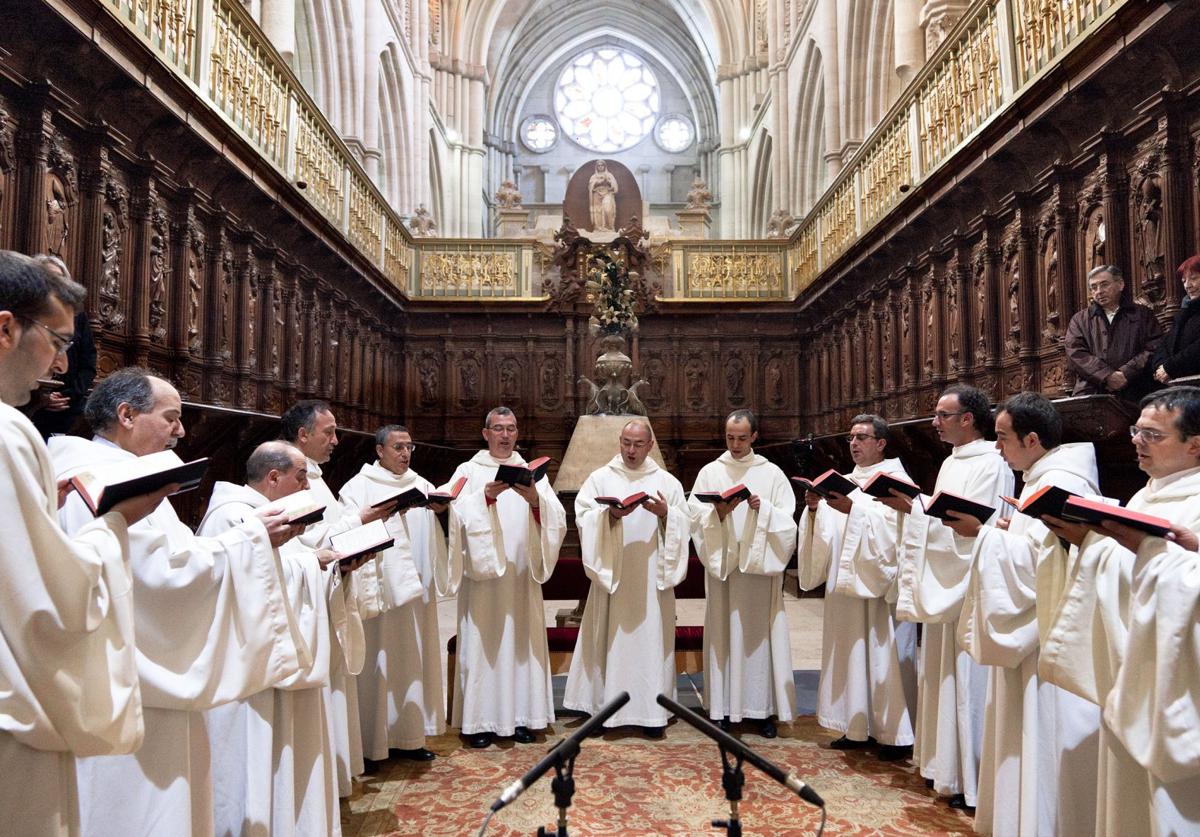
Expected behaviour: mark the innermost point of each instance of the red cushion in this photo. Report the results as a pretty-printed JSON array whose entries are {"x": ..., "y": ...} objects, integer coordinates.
[{"x": 689, "y": 638}]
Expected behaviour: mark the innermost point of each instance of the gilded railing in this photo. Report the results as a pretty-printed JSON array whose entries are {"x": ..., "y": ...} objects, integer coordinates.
[
  {"x": 472, "y": 269},
  {"x": 996, "y": 50},
  {"x": 221, "y": 53},
  {"x": 728, "y": 270}
]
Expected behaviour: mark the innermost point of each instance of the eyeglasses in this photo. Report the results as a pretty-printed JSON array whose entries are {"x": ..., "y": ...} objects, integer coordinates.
[
  {"x": 1151, "y": 437},
  {"x": 61, "y": 343},
  {"x": 860, "y": 437},
  {"x": 408, "y": 446},
  {"x": 502, "y": 428},
  {"x": 942, "y": 415}
]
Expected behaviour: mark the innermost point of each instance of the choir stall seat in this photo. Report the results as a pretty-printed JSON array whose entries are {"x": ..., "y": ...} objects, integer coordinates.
[{"x": 569, "y": 582}]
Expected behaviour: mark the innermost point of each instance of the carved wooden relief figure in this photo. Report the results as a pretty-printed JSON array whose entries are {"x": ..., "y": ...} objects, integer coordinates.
[
  {"x": 906, "y": 364},
  {"x": 695, "y": 373},
  {"x": 979, "y": 280},
  {"x": 1048, "y": 262},
  {"x": 735, "y": 379},
  {"x": 1012, "y": 286},
  {"x": 468, "y": 380},
  {"x": 195, "y": 269},
  {"x": 427, "y": 379},
  {"x": 510, "y": 380},
  {"x": 774, "y": 381},
  {"x": 551, "y": 381},
  {"x": 655, "y": 372},
  {"x": 113, "y": 222},
  {"x": 57, "y": 226},
  {"x": 158, "y": 273},
  {"x": 954, "y": 317},
  {"x": 1148, "y": 238}
]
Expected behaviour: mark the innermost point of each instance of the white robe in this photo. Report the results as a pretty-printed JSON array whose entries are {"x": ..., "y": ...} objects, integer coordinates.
[
  {"x": 1037, "y": 769},
  {"x": 747, "y": 655},
  {"x": 627, "y": 636},
  {"x": 501, "y": 556},
  {"x": 400, "y": 697},
  {"x": 1129, "y": 645},
  {"x": 868, "y": 675},
  {"x": 67, "y": 660},
  {"x": 272, "y": 762},
  {"x": 212, "y": 625},
  {"x": 933, "y": 567},
  {"x": 341, "y": 695}
]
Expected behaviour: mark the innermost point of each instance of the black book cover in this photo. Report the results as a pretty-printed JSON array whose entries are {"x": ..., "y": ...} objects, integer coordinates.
[
  {"x": 188, "y": 475},
  {"x": 944, "y": 501},
  {"x": 881, "y": 485}
]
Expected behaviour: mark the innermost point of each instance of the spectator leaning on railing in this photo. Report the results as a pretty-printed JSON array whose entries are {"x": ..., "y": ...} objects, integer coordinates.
[{"x": 1178, "y": 355}]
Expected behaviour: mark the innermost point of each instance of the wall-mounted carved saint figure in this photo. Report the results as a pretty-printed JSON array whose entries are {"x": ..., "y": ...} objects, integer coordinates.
[
  {"x": 112, "y": 227},
  {"x": 954, "y": 315},
  {"x": 735, "y": 380},
  {"x": 1148, "y": 206},
  {"x": 225, "y": 312},
  {"x": 252, "y": 319},
  {"x": 468, "y": 379},
  {"x": 602, "y": 198},
  {"x": 551, "y": 381},
  {"x": 1049, "y": 264},
  {"x": 979, "y": 271},
  {"x": 906, "y": 365},
  {"x": 57, "y": 226},
  {"x": 158, "y": 275},
  {"x": 695, "y": 373},
  {"x": 655, "y": 372},
  {"x": 1094, "y": 235},
  {"x": 277, "y": 324},
  {"x": 195, "y": 267},
  {"x": 1012, "y": 290},
  {"x": 929, "y": 336},
  {"x": 427, "y": 379},
  {"x": 510, "y": 380}
]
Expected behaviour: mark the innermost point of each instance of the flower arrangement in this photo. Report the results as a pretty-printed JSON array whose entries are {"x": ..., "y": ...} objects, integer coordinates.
[{"x": 608, "y": 287}]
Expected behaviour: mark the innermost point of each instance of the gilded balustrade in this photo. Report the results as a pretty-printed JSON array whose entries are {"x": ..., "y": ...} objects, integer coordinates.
[
  {"x": 365, "y": 229},
  {"x": 837, "y": 221},
  {"x": 1042, "y": 29},
  {"x": 741, "y": 270},
  {"x": 885, "y": 170},
  {"x": 470, "y": 269},
  {"x": 318, "y": 165},
  {"x": 397, "y": 256},
  {"x": 168, "y": 26},
  {"x": 803, "y": 258}
]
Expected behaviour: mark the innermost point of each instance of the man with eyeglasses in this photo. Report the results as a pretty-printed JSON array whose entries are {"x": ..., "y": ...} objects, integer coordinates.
[
  {"x": 848, "y": 543},
  {"x": 933, "y": 567},
  {"x": 1037, "y": 769},
  {"x": 1110, "y": 343},
  {"x": 311, "y": 426},
  {"x": 400, "y": 699},
  {"x": 1121, "y": 631},
  {"x": 746, "y": 546},
  {"x": 504, "y": 542},
  {"x": 635, "y": 556},
  {"x": 67, "y": 656},
  {"x": 272, "y": 758}
]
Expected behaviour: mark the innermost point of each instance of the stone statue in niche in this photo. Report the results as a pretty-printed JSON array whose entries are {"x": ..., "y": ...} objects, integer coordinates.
[
  {"x": 699, "y": 197},
  {"x": 735, "y": 379},
  {"x": 421, "y": 224},
  {"x": 1148, "y": 200},
  {"x": 508, "y": 196},
  {"x": 775, "y": 381},
  {"x": 158, "y": 276},
  {"x": 602, "y": 198},
  {"x": 57, "y": 227},
  {"x": 779, "y": 223},
  {"x": 427, "y": 374}
]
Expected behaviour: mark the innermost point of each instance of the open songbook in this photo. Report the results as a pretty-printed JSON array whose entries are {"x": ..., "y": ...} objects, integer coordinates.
[
  {"x": 523, "y": 474},
  {"x": 104, "y": 488},
  {"x": 739, "y": 491},
  {"x": 621, "y": 505},
  {"x": 1045, "y": 501},
  {"x": 301, "y": 507},
  {"x": 413, "y": 497},
  {"x": 1082, "y": 510},
  {"x": 830, "y": 482},
  {"x": 448, "y": 496},
  {"x": 361, "y": 540},
  {"x": 944, "y": 502},
  {"x": 881, "y": 485}
]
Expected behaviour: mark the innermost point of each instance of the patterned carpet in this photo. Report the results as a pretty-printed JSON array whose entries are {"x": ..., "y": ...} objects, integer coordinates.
[{"x": 629, "y": 785}]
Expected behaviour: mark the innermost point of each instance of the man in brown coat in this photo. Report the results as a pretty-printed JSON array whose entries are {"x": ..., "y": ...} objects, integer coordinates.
[{"x": 1110, "y": 343}]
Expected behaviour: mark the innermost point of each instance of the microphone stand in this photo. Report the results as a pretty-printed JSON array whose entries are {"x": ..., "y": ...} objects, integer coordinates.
[
  {"x": 563, "y": 788},
  {"x": 732, "y": 780}
]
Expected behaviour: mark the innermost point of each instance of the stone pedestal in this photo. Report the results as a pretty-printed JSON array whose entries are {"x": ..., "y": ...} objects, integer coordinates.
[
  {"x": 694, "y": 223},
  {"x": 512, "y": 222},
  {"x": 593, "y": 443}
]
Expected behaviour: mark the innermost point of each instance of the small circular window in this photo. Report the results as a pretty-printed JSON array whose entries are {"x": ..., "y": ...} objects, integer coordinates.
[
  {"x": 675, "y": 133},
  {"x": 539, "y": 133},
  {"x": 607, "y": 100}
]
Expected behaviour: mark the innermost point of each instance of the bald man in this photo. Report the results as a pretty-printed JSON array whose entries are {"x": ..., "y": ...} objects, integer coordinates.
[{"x": 635, "y": 555}]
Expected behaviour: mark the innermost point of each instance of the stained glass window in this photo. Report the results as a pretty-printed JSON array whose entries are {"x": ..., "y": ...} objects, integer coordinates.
[{"x": 607, "y": 100}]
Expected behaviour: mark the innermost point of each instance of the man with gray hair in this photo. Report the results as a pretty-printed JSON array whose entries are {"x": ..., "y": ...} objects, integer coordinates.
[
  {"x": 271, "y": 753},
  {"x": 1110, "y": 343},
  {"x": 635, "y": 554},
  {"x": 504, "y": 542},
  {"x": 211, "y": 618},
  {"x": 67, "y": 658},
  {"x": 400, "y": 699},
  {"x": 745, "y": 545}
]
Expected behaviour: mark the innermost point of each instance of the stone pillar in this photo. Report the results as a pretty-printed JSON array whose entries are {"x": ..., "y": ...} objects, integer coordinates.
[
  {"x": 513, "y": 222},
  {"x": 909, "y": 39},
  {"x": 694, "y": 223}
]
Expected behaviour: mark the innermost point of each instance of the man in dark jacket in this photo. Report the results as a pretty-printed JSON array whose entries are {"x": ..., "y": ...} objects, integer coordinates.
[
  {"x": 1110, "y": 343},
  {"x": 61, "y": 409}
]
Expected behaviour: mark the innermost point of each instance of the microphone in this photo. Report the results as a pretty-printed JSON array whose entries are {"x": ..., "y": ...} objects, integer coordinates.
[
  {"x": 566, "y": 748},
  {"x": 788, "y": 780}
]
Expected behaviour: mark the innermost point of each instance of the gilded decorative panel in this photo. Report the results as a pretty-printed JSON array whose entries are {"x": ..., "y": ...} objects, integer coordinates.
[
  {"x": 168, "y": 26},
  {"x": 318, "y": 165}
]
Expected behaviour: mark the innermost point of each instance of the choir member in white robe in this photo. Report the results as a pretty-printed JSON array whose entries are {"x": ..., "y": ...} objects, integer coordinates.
[
  {"x": 867, "y": 688},
  {"x": 634, "y": 557},
  {"x": 1122, "y": 633},
  {"x": 933, "y": 566},
  {"x": 272, "y": 763},
  {"x": 746, "y": 547},
  {"x": 400, "y": 699},
  {"x": 210, "y": 615},
  {"x": 311, "y": 426},
  {"x": 504, "y": 543},
  {"x": 1037, "y": 771},
  {"x": 67, "y": 657}
]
